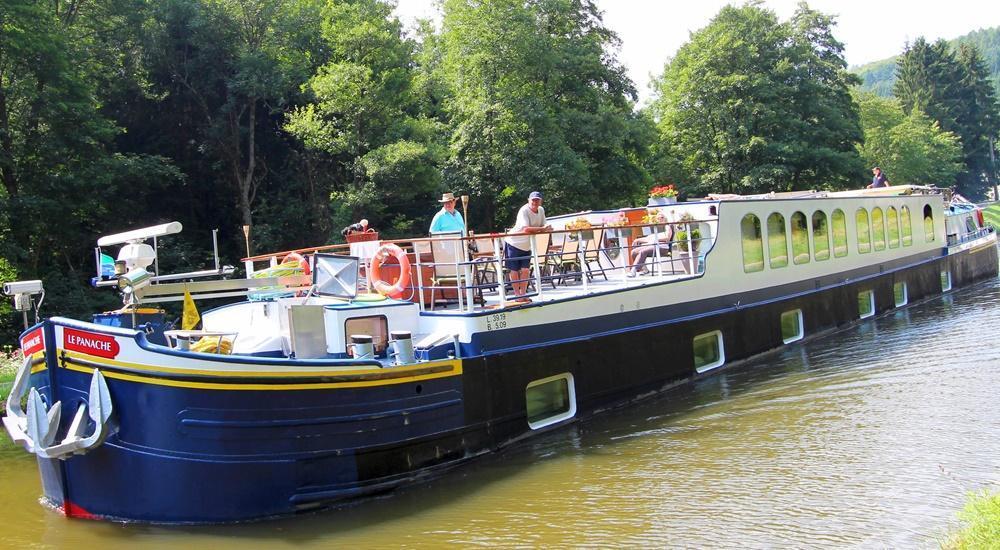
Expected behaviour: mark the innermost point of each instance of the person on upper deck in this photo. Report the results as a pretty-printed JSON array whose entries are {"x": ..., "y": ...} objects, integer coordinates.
[
  {"x": 517, "y": 248},
  {"x": 878, "y": 179},
  {"x": 447, "y": 220},
  {"x": 645, "y": 247}
]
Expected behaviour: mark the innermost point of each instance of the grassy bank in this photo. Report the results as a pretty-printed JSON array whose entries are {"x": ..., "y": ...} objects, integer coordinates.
[
  {"x": 980, "y": 523},
  {"x": 992, "y": 214}
]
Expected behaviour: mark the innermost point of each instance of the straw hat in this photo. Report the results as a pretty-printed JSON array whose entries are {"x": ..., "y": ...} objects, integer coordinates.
[{"x": 447, "y": 197}]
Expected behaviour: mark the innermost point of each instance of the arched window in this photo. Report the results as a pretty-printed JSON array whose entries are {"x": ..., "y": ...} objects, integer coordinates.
[
  {"x": 878, "y": 229},
  {"x": 821, "y": 236},
  {"x": 864, "y": 231},
  {"x": 753, "y": 245},
  {"x": 839, "y": 226},
  {"x": 928, "y": 223},
  {"x": 907, "y": 230},
  {"x": 800, "y": 239},
  {"x": 777, "y": 241},
  {"x": 892, "y": 229}
]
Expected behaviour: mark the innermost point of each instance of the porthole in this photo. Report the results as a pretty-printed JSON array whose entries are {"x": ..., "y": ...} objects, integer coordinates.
[
  {"x": 709, "y": 351},
  {"x": 945, "y": 281},
  {"x": 866, "y": 304},
  {"x": 899, "y": 294},
  {"x": 791, "y": 326},
  {"x": 550, "y": 400}
]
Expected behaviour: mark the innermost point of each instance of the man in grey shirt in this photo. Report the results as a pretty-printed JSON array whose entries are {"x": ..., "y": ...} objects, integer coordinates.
[{"x": 517, "y": 248}]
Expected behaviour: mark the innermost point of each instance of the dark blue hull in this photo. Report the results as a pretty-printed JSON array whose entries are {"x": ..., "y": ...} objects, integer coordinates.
[{"x": 202, "y": 448}]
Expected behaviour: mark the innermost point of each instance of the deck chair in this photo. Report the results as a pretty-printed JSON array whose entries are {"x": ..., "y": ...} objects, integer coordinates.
[
  {"x": 447, "y": 271},
  {"x": 592, "y": 255},
  {"x": 568, "y": 260},
  {"x": 484, "y": 263},
  {"x": 542, "y": 242}
]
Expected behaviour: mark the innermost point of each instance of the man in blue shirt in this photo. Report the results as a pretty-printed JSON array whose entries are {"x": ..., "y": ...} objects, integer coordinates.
[
  {"x": 879, "y": 179},
  {"x": 447, "y": 220}
]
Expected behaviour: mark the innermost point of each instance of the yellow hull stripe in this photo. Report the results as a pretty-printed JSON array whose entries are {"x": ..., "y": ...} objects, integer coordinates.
[{"x": 451, "y": 368}]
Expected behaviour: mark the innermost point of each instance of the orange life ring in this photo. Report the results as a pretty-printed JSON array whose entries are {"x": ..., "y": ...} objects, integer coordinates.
[
  {"x": 296, "y": 257},
  {"x": 397, "y": 289}
]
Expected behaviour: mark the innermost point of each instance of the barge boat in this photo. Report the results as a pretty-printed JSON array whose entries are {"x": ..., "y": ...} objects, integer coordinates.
[{"x": 309, "y": 389}]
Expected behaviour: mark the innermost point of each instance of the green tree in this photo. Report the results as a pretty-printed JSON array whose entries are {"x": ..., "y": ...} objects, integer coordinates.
[
  {"x": 927, "y": 79},
  {"x": 911, "y": 149},
  {"x": 365, "y": 119},
  {"x": 978, "y": 123},
  {"x": 752, "y": 104},
  {"x": 538, "y": 101}
]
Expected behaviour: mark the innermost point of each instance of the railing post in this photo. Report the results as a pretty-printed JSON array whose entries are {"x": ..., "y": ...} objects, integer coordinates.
[
  {"x": 692, "y": 261},
  {"x": 537, "y": 270},
  {"x": 501, "y": 284},
  {"x": 470, "y": 301},
  {"x": 420, "y": 279},
  {"x": 581, "y": 250},
  {"x": 658, "y": 267},
  {"x": 458, "y": 275}
]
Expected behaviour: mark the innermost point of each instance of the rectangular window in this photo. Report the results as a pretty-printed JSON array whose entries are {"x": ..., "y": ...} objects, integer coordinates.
[
  {"x": 904, "y": 221},
  {"x": 864, "y": 230},
  {"x": 945, "y": 281},
  {"x": 791, "y": 326},
  {"x": 821, "y": 236},
  {"x": 899, "y": 294},
  {"x": 376, "y": 326},
  {"x": 839, "y": 233},
  {"x": 753, "y": 246},
  {"x": 866, "y": 304},
  {"x": 878, "y": 229},
  {"x": 550, "y": 400},
  {"x": 892, "y": 227},
  {"x": 709, "y": 353},
  {"x": 777, "y": 241}
]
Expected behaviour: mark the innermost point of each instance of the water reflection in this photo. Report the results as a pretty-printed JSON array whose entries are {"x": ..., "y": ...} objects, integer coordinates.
[{"x": 867, "y": 437}]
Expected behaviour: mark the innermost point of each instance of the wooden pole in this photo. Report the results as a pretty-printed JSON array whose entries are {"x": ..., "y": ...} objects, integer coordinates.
[
  {"x": 465, "y": 212},
  {"x": 246, "y": 238}
]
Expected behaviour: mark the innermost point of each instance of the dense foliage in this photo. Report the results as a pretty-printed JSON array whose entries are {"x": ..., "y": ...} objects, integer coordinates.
[{"x": 297, "y": 117}]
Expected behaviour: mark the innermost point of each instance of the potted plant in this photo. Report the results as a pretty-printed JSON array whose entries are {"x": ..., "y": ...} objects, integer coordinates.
[
  {"x": 662, "y": 194},
  {"x": 688, "y": 225}
]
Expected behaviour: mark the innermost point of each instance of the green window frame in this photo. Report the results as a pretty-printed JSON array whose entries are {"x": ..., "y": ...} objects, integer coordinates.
[
  {"x": 878, "y": 229},
  {"x": 892, "y": 227},
  {"x": 753, "y": 244},
  {"x": 777, "y": 241},
  {"x": 864, "y": 231},
  {"x": 838, "y": 228},
  {"x": 905, "y": 226}
]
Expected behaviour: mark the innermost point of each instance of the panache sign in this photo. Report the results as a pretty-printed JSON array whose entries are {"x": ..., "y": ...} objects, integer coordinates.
[
  {"x": 32, "y": 342},
  {"x": 91, "y": 343}
]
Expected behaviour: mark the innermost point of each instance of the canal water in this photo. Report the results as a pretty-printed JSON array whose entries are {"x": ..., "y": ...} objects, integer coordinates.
[{"x": 870, "y": 437}]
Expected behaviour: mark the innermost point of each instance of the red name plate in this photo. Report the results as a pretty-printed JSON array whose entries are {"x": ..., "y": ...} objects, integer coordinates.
[
  {"x": 90, "y": 343},
  {"x": 32, "y": 342}
]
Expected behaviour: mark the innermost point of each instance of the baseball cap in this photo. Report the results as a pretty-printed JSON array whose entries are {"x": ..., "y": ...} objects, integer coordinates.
[{"x": 534, "y": 195}]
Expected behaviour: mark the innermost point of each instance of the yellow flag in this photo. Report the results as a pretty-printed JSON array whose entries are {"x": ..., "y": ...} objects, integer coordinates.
[{"x": 190, "y": 318}]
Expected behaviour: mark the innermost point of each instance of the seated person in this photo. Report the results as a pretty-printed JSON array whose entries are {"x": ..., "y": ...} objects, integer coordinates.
[{"x": 645, "y": 247}]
